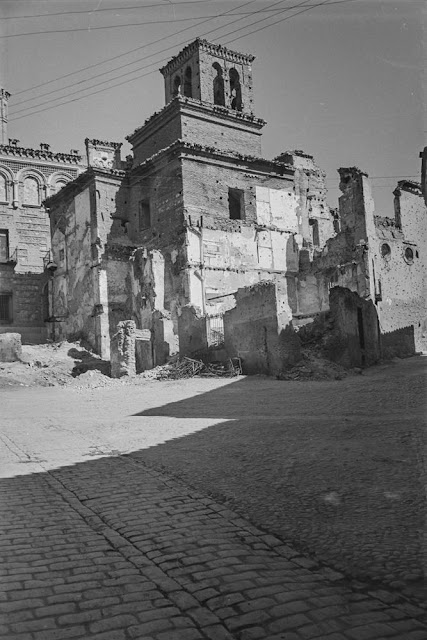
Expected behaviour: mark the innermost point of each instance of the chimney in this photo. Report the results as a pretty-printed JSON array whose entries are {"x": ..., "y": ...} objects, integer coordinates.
[{"x": 4, "y": 98}]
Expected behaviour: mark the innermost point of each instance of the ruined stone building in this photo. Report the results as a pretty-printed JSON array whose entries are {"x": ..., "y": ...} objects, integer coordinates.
[
  {"x": 196, "y": 214},
  {"x": 27, "y": 178}
]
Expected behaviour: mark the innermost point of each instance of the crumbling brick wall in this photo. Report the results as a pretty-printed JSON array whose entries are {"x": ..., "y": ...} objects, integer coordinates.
[{"x": 259, "y": 329}]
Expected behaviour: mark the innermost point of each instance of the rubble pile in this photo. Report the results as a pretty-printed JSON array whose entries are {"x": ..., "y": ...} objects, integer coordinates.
[
  {"x": 314, "y": 366},
  {"x": 178, "y": 368}
]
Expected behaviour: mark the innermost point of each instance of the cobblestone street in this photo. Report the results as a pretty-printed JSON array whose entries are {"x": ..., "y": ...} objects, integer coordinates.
[{"x": 96, "y": 544}]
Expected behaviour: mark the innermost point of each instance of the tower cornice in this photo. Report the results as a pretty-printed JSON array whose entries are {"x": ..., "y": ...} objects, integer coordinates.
[
  {"x": 181, "y": 103},
  {"x": 213, "y": 49}
]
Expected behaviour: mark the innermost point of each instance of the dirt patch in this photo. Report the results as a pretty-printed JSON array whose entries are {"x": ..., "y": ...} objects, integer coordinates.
[{"x": 51, "y": 365}]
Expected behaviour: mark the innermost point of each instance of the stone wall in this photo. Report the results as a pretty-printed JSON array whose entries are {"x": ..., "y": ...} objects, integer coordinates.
[
  {"x": 399, "y": 255},
  {"x": 383, "y": 259},
  {"x": 259, "y": 329},
  {"x": 355, "y": 339},
  {"x": 29, "y": 304},
  {"x": 398, "y": 343},
  {"x": 10, "y": 347}
]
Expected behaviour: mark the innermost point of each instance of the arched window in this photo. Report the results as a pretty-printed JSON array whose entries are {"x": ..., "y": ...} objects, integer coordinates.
[
  {"x": 31, "y": 191},
  {"x": 235, "y": 90},
  {"x": 176, "y": 85},
  {"x": 59, "y": 184},
  {"x": 188, "y": 88},
  {"x": 3, "y": 188},
  {"x": 218, "y": 85}
]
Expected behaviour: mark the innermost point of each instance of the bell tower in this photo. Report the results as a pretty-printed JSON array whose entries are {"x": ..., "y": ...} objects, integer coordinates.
[
  {"x": 4, "y": 98},
  {"x": 211, "y": 74}
]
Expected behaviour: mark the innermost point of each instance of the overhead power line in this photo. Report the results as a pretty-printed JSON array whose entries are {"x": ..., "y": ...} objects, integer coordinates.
[
  {"x": 125, "y": 65},
  {"x": 126, "y": 53},
  {"x": 89, "y": 29},
  {"x": 102, "y": 9},
  {"x": 129, "y": 52},
  {"x": 111, "y": 86},
  {"x": 154, "y": 63},
  {"x": 281, "y": 20}
]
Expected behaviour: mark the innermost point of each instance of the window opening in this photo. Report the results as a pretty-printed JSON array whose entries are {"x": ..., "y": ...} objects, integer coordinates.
[
  {"x": 218, "y": 85},
  {"x": 397, "y": 210},
  {"x": 5, "y": 308},
  {"x": 235, "y": 90},
  {"x": 236, "y": 204},
  {"x": 144, "y": 215},
  {"x": 409, "y": 254},
  {"x": 315, "y": 231},
  {"x": 3, "y": 189},
  {"x": 31, "y": 191},
  {"x": 59, "y": 184},
  {"x": 176, "y": 86},
  {"x": 188, "y": 89},
  {"x": 4, "y": 245},
  {"x": 385, "y": 250}
]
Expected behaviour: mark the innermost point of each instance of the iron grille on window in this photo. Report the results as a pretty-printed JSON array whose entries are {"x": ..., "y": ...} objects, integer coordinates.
[{"x": 215, "y": 329}]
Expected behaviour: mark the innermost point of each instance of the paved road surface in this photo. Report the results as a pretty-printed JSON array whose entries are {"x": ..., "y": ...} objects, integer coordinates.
[{"x": 95, "y": 544}]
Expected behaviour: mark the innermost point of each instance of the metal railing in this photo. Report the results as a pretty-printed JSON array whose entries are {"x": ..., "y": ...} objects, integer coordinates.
[{"x": 215, "y": 329}]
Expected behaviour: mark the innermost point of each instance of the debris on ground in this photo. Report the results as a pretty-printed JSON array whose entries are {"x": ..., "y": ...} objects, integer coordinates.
[
  {"x": 188, "y": 368},
  {"x": 54, "y": 364},
  {"x": 314, "y": 366}
]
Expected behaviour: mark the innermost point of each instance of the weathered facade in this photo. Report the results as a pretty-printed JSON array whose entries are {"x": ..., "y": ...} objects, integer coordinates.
[
  {"x": 27, "y": 177},
  {"x": 197, "y": 214},
  {"x": 166, "y": 239},
  {"x": 381, "y": 258}
]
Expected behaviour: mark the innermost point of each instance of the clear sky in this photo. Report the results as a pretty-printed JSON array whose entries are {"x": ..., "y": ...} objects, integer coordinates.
[{"x": 342, "y": 80}]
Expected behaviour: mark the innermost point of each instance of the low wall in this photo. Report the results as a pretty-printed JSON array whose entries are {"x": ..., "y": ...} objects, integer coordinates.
[
  {"x": 259, "y": 329},
  {"x": 354, "y": 340},
  {"x": 399, "y": 343},
  {"x": 192, "y": 332}
]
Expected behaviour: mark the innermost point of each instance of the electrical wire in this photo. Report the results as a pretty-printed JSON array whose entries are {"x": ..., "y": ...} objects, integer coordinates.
[
  {"x": 148, "y": 73},
  {"x": 278, "y": 21},
  {"x": 126, "y": 53},
  {"x": 117, "y": 26},
  {"x": 95, "y": 11},
  {"x": 158, "y": 61}
]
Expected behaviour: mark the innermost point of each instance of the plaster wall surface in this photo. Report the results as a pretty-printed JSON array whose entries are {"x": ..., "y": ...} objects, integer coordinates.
[
  {"x": 402, "y": 282},
  {"x": 76, "y": 288}
]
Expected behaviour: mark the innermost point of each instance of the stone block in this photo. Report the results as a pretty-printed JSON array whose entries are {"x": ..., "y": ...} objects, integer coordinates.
[
  {"x": 123, "y": 350},
  {"x": 10, "y": 347}
]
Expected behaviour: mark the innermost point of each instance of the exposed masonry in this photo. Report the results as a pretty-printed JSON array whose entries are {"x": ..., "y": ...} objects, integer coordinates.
[
  {"x": 168, "y": 238},
  {"x": 27, "y": 177}
]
